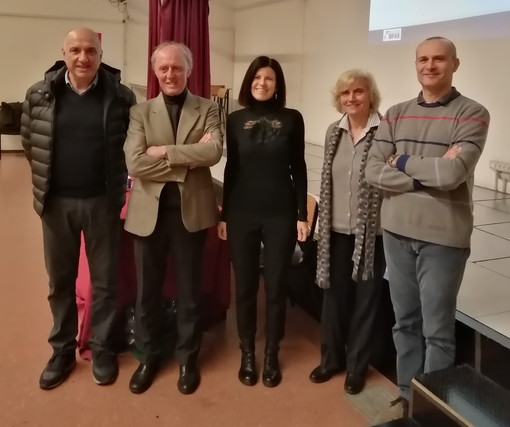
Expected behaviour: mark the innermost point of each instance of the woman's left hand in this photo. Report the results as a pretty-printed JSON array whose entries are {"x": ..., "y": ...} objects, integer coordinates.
[{"x": 302, "y": 230}]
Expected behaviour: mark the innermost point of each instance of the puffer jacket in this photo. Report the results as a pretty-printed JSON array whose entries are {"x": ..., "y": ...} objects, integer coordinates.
[{"x": 37, "y": 131}]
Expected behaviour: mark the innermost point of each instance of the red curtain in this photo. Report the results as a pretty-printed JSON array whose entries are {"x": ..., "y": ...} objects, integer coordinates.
[{"x": 184, "y": 21}]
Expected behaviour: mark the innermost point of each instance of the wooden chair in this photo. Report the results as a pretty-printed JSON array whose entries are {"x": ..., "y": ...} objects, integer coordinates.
[
  {"x": 220, "y": 94},
  {"x": 214, "y": 90}
]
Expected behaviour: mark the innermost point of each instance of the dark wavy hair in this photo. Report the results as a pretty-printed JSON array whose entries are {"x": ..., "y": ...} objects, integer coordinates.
[{"x": 246, "y": 98}]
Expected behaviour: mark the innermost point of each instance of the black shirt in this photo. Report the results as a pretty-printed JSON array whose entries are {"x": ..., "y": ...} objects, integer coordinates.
[{"x": 265, "y": 172}]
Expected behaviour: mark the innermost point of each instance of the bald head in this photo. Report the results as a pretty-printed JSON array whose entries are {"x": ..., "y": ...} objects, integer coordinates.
[
  {"x": 83, "y": 33},
  {"x": 82, "y": 55},
  {"x": 443, "y": 40}
]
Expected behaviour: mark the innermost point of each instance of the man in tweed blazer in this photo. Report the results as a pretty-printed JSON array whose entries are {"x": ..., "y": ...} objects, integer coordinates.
[{"x": 172, "y": 141}]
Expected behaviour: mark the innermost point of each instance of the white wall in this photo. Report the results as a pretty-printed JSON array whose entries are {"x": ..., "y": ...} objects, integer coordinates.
[
  {"x": 137, "y": 42},
  {"x": 32, "y": 32},
  {"x": 272, "y": 28},
  {"x": 335, "y": 38},
  {"x": 315, "y": 40},
  {"x": 222, "y": 41}
]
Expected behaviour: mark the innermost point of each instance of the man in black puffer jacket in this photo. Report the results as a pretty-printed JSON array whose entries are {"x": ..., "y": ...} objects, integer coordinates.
[{"x": 73, "y": 129}]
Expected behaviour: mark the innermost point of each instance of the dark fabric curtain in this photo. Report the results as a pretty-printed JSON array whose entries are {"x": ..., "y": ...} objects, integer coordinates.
[{"x": 184, "y": 21}]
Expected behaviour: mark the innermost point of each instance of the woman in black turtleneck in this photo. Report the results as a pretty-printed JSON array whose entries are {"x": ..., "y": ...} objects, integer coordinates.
[{"x": 264, "y": 201}]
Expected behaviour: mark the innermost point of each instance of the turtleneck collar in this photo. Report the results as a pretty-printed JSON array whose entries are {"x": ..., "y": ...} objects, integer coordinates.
[
  {"x": 264, "y": 106},
  {"x": 176, "y": 99}
]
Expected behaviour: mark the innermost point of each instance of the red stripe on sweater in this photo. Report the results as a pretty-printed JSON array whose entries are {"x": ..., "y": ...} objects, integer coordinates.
[{"x": 465, "y": 119}]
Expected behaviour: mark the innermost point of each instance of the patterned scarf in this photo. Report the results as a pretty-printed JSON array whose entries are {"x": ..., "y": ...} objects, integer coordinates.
[{"x": 366, "y": 221}]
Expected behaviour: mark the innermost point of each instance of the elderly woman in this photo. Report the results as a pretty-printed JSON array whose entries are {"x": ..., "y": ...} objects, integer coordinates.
[
  {"x": 350, "y": 265},
  {"x": 264, "y": 201}
]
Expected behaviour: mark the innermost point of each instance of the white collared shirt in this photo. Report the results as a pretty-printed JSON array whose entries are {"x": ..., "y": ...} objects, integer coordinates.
[
  {"x": 346, "y": 173},
  {"x": 68, "y": 83}
]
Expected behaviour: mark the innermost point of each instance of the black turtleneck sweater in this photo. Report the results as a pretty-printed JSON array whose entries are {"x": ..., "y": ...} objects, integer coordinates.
[
  {"x": 170, "y": 195},
  {"x": 265, "y": 174}
]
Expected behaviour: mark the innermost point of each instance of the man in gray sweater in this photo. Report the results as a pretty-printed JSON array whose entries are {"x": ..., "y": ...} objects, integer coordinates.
[{"x": 423, "y": 157}]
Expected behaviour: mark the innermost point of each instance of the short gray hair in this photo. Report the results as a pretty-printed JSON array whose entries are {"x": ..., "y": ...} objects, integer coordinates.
[
  {"x": 349, "y": 76},
  {"x": 451, "y": 45},
  {"x": 186, "y": 53}
]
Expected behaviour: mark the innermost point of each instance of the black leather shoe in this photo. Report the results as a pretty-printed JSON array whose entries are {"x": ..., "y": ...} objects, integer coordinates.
[
  {"x": 248, "y": 370},
  {"x": 57, "y": 370},
  {"x": 189, "y": 378},
  {"x": 143, "y": 377},
  {"x": 271, "y": 376},
  {"x": 354, "y": 383},
  {"x": 321, "y": 375}
]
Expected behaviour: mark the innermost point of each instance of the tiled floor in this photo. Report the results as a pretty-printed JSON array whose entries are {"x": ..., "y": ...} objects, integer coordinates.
[
  {"x": 484, "y": 298},
  {"x": 221, "y": 401}
]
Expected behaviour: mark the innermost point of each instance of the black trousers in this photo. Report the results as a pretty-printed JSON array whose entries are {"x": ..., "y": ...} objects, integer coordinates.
[
  {"x": 63, "y": 221},
  {"x": 349, "y": 309},
  {"x": 245, "y": 235},
  {"x": 151, "y": 254}
]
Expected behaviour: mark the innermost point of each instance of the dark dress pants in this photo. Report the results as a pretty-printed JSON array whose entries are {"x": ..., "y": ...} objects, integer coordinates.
[
  {"x": 245, "y": 235},
  {"x": 63, "y": 221},
  {"x": 349, "y": 309},
  {"x": 151, "y": 255}
]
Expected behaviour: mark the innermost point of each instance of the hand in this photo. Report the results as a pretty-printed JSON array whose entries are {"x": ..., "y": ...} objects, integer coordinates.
[
  {"x": 157, "y": 151},
  {"x": 206, "y": 138},
  {"x": 303, "y": 231},
  {"x": 452, "y": 152},
  {"x": 222, "y": 230},
  {"x": 392, "y": 161}
]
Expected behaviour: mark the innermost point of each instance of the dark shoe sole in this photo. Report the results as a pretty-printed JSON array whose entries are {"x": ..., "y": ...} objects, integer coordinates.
[
  {"x": 321, "y": 380},
  {"x": 107, "y": 381},
  {"x": 273, "y": 382},
  {"x": 246, "y": 380},
  {"x": 189, "y": 390},
  {"x": 139, "y": 390},
  {"x": 353, "y": 391},
  {"x": 354, "y": 385},
  {"x": 324, "y": 378}
]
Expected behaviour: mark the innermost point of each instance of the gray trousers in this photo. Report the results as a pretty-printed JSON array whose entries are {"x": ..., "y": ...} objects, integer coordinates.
[
  {"x": 424, "y": 282},
  {"x": 63, "y": 221}
]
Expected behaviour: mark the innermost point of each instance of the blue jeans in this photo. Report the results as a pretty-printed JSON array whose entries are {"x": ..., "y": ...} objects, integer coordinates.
[{"x": 424, "y": 282}]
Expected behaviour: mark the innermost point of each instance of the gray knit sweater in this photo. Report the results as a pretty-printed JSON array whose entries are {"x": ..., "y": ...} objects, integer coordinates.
[{"x": 428, "y": 197}]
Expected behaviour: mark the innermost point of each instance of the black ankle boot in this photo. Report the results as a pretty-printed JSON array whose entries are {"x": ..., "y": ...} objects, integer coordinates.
[
  {"x": 271, "y": 376},
  {"x": 248, "y": 370}
]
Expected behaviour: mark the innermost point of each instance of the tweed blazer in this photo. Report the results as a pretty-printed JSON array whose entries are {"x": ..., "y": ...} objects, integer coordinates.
[{"x": 187, "y": 162}]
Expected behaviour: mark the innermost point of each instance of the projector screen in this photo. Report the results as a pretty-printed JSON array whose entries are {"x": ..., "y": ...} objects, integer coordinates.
[{"x": 393, "y": 21}]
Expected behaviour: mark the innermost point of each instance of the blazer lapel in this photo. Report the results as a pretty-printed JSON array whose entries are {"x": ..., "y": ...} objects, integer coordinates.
[
  {"x": 189, "y": 116},
  {"x": 162, "y": 125}
]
